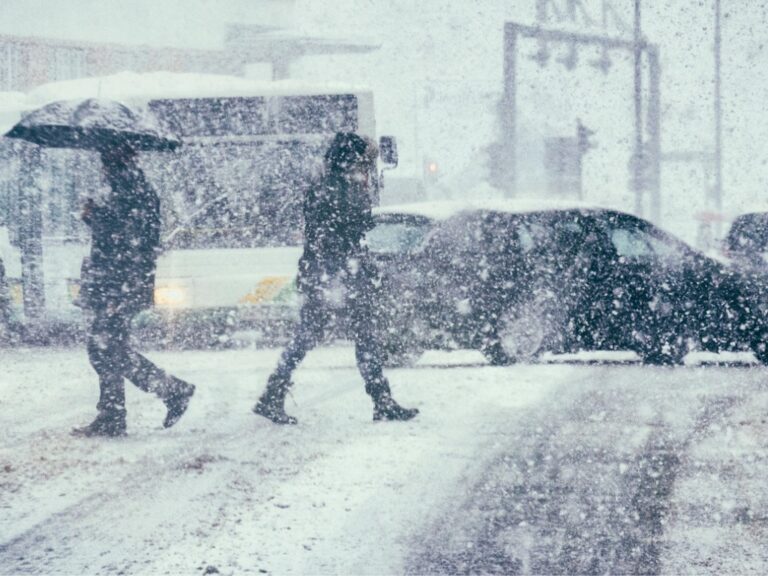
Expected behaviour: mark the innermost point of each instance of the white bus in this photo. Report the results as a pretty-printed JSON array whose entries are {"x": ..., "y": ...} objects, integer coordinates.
[{"x": 231, "y": 196}]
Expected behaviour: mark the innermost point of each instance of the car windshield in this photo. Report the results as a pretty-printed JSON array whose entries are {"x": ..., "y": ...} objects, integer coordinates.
[{"x": 396, "y": 237}]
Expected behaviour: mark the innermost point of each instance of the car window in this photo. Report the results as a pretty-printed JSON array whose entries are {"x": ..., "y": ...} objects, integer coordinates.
[
  {"x": 634, "y": 243},
  {"x": 630, "y": 244},
  {"x": 389, "y": 237},
  {"x": 557, "y": 234}
]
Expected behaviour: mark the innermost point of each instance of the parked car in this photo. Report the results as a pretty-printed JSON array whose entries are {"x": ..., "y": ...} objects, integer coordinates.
[{"x": 515, "y": 279}]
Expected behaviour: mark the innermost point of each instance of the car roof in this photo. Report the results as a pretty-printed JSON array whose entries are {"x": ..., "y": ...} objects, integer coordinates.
[
  {"x": 751, "y": 217},
  {"x": 444, "y": 209}
]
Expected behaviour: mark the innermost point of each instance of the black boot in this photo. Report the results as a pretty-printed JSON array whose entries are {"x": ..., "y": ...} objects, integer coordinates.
[
  {"x": 178, "y": 401},
  {"x": 110, "y": 419},
  {"x": 385, "y": 408},
  {"x": 271, "y": 405},
  {"x": 109, "y": 423}
]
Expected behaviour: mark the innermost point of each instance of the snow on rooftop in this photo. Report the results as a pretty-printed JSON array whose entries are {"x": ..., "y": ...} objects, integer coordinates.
[
  {"x": 151, "y": 85},
  {"x": 12, "y": 105}
]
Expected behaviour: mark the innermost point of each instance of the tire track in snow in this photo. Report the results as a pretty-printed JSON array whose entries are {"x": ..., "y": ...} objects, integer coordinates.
[{"x": 586, "y": 487}]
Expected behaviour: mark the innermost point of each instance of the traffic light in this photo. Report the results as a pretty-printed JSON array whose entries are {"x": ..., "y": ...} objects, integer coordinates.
[{"x": 431, "y": 171}]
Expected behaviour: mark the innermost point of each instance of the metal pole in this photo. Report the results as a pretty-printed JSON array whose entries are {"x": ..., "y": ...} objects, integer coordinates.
[
  {"x": 654, "y": 132},
  {"x": 637, "y": 165},
  {"x": 510, "y": 109},
  {"x": 718, "y": 192}
]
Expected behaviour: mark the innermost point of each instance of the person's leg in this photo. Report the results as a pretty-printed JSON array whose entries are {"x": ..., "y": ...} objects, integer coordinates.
[
  {"x": 174, "y": 392},
  {"x": 106, "y": 337},
  {"x": 364, "y": 323},
  {"x": 313, "y": 317}
]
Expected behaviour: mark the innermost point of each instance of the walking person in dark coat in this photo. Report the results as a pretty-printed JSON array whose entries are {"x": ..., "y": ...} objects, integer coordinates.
[
  {"x": 118, "y": 282},
  {"x": 335, "y": 265}
]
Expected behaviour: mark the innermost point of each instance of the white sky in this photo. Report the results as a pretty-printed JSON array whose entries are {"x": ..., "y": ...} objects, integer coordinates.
[{"x": 437, "y": 75}]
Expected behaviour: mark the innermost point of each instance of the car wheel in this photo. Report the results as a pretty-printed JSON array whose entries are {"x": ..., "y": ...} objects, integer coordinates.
[{"x": 524, "y": 333}]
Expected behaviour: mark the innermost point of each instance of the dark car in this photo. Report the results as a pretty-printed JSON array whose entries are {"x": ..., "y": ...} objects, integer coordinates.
[
  {"x": 746, "y": 249},
  {"x": 515, "y": 279}
]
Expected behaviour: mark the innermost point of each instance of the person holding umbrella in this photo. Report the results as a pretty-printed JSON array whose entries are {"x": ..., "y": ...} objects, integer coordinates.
[
  {"x": 335, "y": 266},
  {"x": 125, "y": 235},
  {"x": 118, "y": 279}
]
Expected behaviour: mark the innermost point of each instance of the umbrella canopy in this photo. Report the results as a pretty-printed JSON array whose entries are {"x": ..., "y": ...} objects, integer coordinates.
[{"x": 93, "y": 124}]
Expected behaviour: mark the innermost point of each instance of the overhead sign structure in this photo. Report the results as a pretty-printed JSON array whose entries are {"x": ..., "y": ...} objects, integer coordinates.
[{"x": 645, "y": 165}]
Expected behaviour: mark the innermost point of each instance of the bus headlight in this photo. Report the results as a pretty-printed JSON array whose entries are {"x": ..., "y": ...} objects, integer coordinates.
[{"x": 171, "y": 296}]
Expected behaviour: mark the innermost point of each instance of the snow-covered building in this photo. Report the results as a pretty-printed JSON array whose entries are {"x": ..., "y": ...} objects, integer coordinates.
[{"x": 27, "y": 61}]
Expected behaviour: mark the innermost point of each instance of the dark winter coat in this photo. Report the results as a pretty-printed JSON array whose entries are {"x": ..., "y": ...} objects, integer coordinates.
[
  {"x": 337, "y": 215},
  {"x": 125, "y": 236}
]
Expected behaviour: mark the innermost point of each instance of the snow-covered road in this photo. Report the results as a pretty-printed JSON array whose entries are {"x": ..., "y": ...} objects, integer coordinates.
[
  {"x": 630, "y": 470},
  {"x": 552, "y": 467}
]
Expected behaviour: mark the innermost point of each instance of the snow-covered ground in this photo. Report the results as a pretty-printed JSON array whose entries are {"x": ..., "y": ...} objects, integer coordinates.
[
  {"x": 226, "y": 491},
  {"x": 337, "y": 494}
]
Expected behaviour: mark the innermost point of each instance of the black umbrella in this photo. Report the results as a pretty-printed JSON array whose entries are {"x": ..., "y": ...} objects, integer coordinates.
[{"x": 93, "y": 124}]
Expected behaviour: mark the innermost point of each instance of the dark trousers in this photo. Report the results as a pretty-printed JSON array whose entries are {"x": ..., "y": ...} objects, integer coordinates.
[
  {"x": 314, "y": 317},
  {"x": 113, "y": 359}
]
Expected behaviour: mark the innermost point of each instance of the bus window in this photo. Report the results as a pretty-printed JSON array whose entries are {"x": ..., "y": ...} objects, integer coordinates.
[
  {"x": 318, "y": 114},
  {"x": 214, "y": 116}
]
